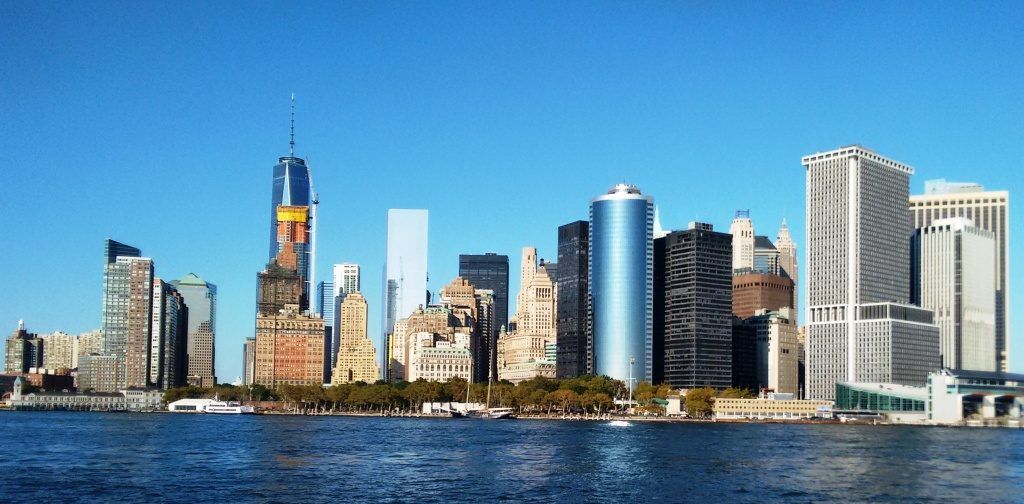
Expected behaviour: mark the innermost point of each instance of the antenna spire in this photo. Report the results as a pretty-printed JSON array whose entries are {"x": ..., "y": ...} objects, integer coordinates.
[{"x": 291, "y": 143}]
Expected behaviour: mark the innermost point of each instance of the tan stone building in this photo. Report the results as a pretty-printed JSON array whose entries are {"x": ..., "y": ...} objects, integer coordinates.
[
  {"x": 522, "y": 352},
  {"x": 357, "y": 358},
  {"x": 410, "y": 346},
  {"x": 289, "y": 349}
]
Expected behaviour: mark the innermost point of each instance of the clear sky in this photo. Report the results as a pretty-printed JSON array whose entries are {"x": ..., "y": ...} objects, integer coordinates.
[{"x": 158, "y": 126}]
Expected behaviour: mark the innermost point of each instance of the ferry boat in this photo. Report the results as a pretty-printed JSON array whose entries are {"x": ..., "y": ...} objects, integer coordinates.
[{"x": 229, "y": 408}]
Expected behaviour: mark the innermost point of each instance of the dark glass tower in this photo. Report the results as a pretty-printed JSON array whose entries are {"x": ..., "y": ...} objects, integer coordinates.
[
  {"x": 574, "y": 342},
  {"x": 489, "y": 271},
  {"x": 693, "y": 314}
]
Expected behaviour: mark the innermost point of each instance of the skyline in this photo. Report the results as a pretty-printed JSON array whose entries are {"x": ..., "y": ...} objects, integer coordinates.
[{"x": 547, "y": 143}]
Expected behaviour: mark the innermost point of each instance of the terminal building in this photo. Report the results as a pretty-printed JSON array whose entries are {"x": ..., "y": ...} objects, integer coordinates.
[{"x": 951, "y": 397}]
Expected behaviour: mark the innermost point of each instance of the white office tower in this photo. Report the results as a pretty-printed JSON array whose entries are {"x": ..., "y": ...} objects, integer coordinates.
[
  {"x": 346, "y": 279},
  {"x": 405, "y": 273},
  {"x": 860, "y": 327},
  {"x": 988, "y": 210},
  {"x": 956, "y": 280},
  {"x": 742, "y": 231}
]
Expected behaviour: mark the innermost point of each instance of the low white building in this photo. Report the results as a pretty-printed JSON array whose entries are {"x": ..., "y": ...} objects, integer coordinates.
[
  {"x": 773, "y": 406},
  {"x": 124, "y": 400}
]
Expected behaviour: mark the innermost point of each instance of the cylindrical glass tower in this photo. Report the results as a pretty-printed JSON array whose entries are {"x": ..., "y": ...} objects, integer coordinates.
[{"x": 621, "y": 279}]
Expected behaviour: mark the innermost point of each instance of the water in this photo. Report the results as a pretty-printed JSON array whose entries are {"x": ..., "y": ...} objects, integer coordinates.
[{"x": 50, "y": 457}]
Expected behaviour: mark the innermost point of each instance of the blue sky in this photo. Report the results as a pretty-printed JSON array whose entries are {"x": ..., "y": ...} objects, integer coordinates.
[{"x": 158, "y": 126}]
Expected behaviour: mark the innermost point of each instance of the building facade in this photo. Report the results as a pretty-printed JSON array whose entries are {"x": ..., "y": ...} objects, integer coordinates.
[
  {"x": 954, "y": 276},
  {"x": 25, "y": 350},
  {"x": 761, "y": 291},
  {"x": 168, "y": 355},
  {"x": 788, "y": 264},
  {"x": 988, "y": 210},
  {"x": 572, "y": 325},
  {"x": 201, "y": 299},
  {"x": 357, "y": 358},
  {"x": 405, "y": 272},
  {"x": 621, "y": 280},
  {"x": 61, "y": 351},
  {"x": 489, "y": 271},
  {"x": 694, "y": 308},
  {"x": 742, "y": 231},
  {"x": 858, "y": 253},
  {"x": 248, "y": 361},
  {"x": 289, "y": 349},
  {"x": 127, "y": 313}
]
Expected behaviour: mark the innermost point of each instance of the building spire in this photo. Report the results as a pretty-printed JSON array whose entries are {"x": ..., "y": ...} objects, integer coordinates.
[{"x": 291, "y": 143}]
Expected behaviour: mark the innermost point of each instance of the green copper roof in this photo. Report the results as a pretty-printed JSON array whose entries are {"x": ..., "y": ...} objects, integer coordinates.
[{"x": 191, "y": 279}]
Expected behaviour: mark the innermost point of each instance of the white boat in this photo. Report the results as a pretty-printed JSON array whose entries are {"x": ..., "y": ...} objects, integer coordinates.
[
  {"x": 229, "y": 408},
  {"x": 619, "y": 423}
]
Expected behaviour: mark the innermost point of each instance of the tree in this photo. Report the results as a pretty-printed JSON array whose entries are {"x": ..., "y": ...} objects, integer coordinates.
[
  {"x": 735, "y": 393},
  {"x": 562, "y": 398},
  {"x": 699, "y": 402},
  {"x": 644, "y": 393}
]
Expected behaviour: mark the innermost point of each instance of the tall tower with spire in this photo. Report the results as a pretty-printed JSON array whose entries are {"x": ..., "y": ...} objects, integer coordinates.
[
  {"x": 292, "y": 187},
  {"x": 788, "y": 263}
]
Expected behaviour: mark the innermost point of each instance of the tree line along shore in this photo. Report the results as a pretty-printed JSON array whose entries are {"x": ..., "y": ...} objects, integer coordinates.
[{"x": 585, "y": 395}]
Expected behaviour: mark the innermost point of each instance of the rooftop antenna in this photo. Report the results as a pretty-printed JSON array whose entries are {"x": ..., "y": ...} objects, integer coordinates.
[{"x": 291, "y": 144}]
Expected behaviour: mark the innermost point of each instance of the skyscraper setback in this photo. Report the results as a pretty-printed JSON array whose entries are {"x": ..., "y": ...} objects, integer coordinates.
[
  {"x": 621, "y": 281},
  {"x": 860, "y": 326}
]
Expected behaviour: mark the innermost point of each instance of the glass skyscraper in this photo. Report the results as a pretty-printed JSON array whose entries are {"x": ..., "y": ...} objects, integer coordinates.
[
  {"x": 405, "y": 272},
  {"x": 201, "y": 299},
  {"x": 621, "y": 281},
  {"x": 489, "y": 272},
  {"x": 573, "y": 342}
]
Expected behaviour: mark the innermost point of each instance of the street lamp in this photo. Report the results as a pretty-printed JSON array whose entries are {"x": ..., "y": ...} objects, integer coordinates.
[{"x": 632, "y": 360}]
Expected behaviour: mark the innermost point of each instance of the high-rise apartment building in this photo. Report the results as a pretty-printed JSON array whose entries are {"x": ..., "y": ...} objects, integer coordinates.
[
  {"x": 61, "y": 350},
  {"x": 201, "y": 298},
  {"x": 955, "y": 277},
  {"x": 127, "y": 312},
  {"x": 248, "y": 361},
  {"x": 168, "y": 355},
  {"x": 489, "y": 271},
  {"x": 357, "y": 358},
  {"x": 621, "y": 281},
  {"x": 693, "y": 314},
  {"x": 742, "y": 231},
  {"x": 574, "y": 342},
  {"x": 988, "y": 210},
  {"x": 24, "y": 350},
  {"x": 860, "y": 327},
  {"x": 405, "y": 272}
]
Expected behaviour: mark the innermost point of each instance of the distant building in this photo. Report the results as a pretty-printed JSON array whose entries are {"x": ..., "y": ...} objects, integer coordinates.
[
  {"x": 289, "y": 349},
  {"x": 124, "y": 400},
  {"x": 575, "y": 344},
  {"x": 127, "y": 308},
  {"x": 431, "y": 327},
  {"x": 621, "y": 282},
  {"x": 168, "y": 337},
  {"x": 766, "y": 256},
  {"x": 693, "y": 292},
  {"x": 775, "y": 351},
  {"x": 100, "y": 373},
  {"x": 774, "y": 406},
  {"x": 742, "y": 231},
  {"x": 248, "y": 361},
  {"x": 988, "y": 210},
  {"x": 522, "y": 352},
  {"x": 326, "y": 308},
  {"x": 61, "y": 351},
  {"x": 405, "y": 272},
  {"x": 24, "y": 350},
  {"x": 489, "y": 272},
  {"x": 860, "y": 326},
  {"x": 436, "y": 358},
  {"x": 788, "y": 266},
  {"x": 357, "y": 358},
  {"x": 201, "y": 298},
  {"x": 954, "y": 276},
  {"x": 755, "y": 291}
]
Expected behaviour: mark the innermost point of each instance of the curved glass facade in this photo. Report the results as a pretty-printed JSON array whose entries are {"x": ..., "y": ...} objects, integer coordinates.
[{"x": 621, "y": 272}]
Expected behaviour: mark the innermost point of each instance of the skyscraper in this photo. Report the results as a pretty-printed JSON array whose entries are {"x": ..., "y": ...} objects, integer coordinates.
[
  {"x": 693, "y": 286},
  {"x": 127, "y": 311},
  {"x": 405, "y": 272},
  {"x": 988, "y": 210},
  {"x": 201, "y": 298},
  {"x": 346, "y": 278},
  {"x": 292, "y": 186},
  {"x": 24, "y": 350},
  {"x": 168, "y": 337},
  {"x": 574, "y": 344},
  {"x": 357, "y": 358},
  {"x": 742, "y": 231},
  {"x": 489, "y": 272},
  {"x": 860, "y": 326},
  {"x": 621, "y": 281},
  {"x": 325, "y": 306},
  {"x": 293, "y": 239},
  {"x": 248, "y": 360},
  {"x": 788, "y": 263},
  {"x": 522, "y": 352},
  {"x": 955, "y": 278}
]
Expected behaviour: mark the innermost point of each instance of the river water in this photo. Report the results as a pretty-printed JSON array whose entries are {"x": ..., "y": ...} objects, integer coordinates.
[{"x": 101, "y": 457}]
